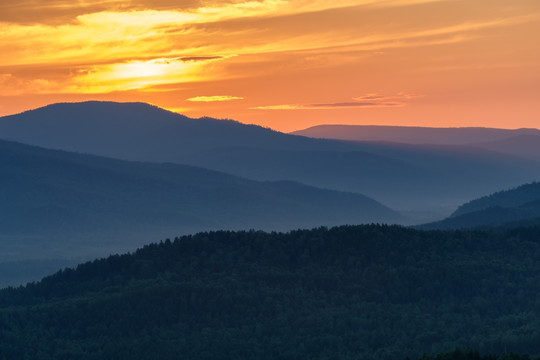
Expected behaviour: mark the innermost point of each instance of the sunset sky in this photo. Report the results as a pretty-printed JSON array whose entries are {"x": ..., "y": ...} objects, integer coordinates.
[{"x": 283, "y": 64}]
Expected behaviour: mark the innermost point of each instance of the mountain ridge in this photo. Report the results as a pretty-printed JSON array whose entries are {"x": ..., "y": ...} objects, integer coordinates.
[
  {"x": 522, "y": 142},
  {"x": 413, "y": 134},
  {"x": 57, "y": 204},
  {"x": 519, "y": 206},
  {"x": 432, "y": 180}
]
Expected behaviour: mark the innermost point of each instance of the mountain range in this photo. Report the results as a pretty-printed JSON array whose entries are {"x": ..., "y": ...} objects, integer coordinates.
[
  {"x": 126, "y": 172},
  {"x": 85, "y": 180},
  {"x": 56, "y": 204},
  {"x": 426, "y": 181},
  {"x": 518, "y": 142}
]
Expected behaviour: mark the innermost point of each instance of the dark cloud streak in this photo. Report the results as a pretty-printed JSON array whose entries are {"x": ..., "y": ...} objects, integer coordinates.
[
  {"x": 355, "y": 104},
  {"x": 58, "y": 12},
  {"x": 376, "y": 100}
]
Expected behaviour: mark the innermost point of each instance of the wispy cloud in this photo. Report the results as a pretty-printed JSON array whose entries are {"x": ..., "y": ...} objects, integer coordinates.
[
  {"x": 120, "y": 34},
  {"x": 98, "y": 44},
  {"x": 214, "y": 98},
  {"x": 64, "y": 11},
  {"x": 341, "y": 105},
  {"x": 145, "y": 74},
  {"x": 365, "y": 101},
  {"x": 379, "y": 97}
]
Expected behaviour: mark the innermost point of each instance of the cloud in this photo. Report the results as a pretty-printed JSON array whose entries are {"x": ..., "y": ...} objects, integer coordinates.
[
  {"x": 146, "y": 75},
  {"x": 199, "y": 58},
  {"x": 55, "y": 12},
  {"x": 103, "y": 40},
  {"x": 214, "y": 98},
  {"x": 365, "y": 101},
  {"x": 329, "y": 106},
  {"x": 107, "y": 30},
  {"x": 58, "y": 12},
  {"x": 11, "y": 85},
  {"x": 379, "y": 97},
  {"x": 139, "y": 74}
]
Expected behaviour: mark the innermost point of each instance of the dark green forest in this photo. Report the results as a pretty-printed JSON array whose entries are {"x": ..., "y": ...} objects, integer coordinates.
[{"x": 349, "y": 292}]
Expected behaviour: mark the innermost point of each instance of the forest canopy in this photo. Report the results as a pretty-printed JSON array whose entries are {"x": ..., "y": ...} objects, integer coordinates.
[{"x": 349, "y": 292}]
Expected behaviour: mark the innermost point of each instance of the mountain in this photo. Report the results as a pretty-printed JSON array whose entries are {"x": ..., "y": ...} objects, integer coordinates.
[
  {"x": 415, "y": 135},
  {"x": 523, "y": 143},
  {"x": 138, "y": 131},
  {"x": 56, "y": 204},
  {"x": 350, "y": 292},
  {"x": 510, "y": 208},
  {"x": 515, "y": 197},
  {"x": 492, "y": 217},
  {"x": 426, "y": 181},
  {"x": 527, "y": 146}
]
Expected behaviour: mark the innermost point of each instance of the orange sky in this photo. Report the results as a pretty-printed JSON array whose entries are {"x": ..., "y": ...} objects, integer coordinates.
[{"x": 284, "y": 64}]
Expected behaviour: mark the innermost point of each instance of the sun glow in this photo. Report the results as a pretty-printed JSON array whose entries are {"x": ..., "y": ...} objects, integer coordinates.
[
  {"x": 481, "y": 56},
  {"x": 138, "y": 74},
  {"x": 139, "y": 69}
]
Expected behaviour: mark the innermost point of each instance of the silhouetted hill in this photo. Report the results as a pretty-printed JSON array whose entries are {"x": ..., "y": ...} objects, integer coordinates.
[
  {"x": 415, "y": 134},
  {"x": 57, "y": 204},
  {"x": 515, "y": 197},
  {"x": 510, "y": 208},
  {"x": 492, "y": 217},
  {"x": 137, "y": 131},
  {"x": 432, "y": 179},
  {"x": 350, "y": 292}
]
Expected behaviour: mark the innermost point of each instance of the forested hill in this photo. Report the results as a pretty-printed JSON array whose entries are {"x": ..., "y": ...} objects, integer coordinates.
[
  {"x": 518, "y": 196},
  {"x": 350, "y": 292},
  {"x": 504, "y": 209},
  {"x": 496, "y": 217}
]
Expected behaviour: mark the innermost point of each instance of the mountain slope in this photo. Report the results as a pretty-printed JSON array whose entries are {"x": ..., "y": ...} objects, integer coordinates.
[
  {"x": 508, "y": 198},
  {"x": 136, "y": 131},
  {"x": 527, "y": 146},
  {"x": 56, "y": 204},
  {"x": 425, "y": 178},
  {"x": 492, "y": 217},
  {"x": 351, "y": 292},
  {"x": 46, "y": 181},
  {"x": 414, "y": 135},
  {"x": 510, "y": 208}
]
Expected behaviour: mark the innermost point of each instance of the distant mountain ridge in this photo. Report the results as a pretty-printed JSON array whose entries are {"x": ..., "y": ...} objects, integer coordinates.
[
  {"x": 56, "y": 204},
  {"x": 431, "y": 180},
  {"x": 519, "y": 142},
  {"x": 413, "y": 134},
  {"x": 510, "y": 208},
  {"x": 527, "y": 146},
  {"x": 33, "y": 178}
]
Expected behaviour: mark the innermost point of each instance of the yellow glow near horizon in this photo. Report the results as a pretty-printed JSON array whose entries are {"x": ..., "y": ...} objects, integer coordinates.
[
  {"x": 214, "y": 98},
  {"x": 136, "y": 75},
  {"x": 479, "y": 60}
]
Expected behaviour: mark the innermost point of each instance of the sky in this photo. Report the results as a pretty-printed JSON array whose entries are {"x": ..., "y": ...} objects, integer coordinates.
[{"x": 282, "y": 64}]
